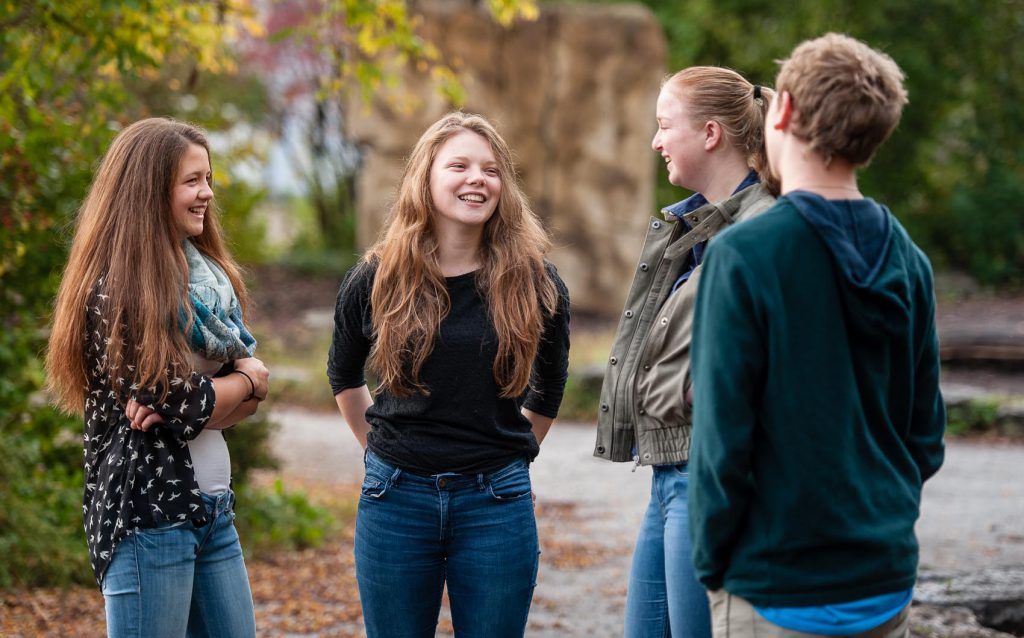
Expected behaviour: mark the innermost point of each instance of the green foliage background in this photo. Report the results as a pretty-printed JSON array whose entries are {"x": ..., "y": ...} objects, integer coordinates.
[{"x": 72, "y": 73}]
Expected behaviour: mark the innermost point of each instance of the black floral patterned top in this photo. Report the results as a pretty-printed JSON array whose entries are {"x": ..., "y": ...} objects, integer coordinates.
[{"x": 136, "y": 479}]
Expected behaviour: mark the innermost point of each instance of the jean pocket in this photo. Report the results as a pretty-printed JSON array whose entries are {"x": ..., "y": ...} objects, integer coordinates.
[
  {"x": 511, "y": 486},
  {"x": 374, "y": 487}
]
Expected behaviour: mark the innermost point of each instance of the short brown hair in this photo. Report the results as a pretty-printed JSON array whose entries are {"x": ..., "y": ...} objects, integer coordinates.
[{"x": 847, "y": 97}]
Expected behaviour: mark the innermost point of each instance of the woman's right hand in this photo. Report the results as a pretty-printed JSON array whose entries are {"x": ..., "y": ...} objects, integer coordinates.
[{"x": 259, "y": 374}]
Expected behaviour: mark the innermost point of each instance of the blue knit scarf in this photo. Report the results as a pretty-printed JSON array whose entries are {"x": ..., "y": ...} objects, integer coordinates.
[{"x": 218, "y": 333}]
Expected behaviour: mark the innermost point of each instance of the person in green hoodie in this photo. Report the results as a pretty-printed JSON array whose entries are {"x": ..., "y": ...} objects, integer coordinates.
[{"x": 817, "y": 410}]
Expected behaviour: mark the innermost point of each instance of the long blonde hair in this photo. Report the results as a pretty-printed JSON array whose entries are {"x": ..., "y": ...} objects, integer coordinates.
[
  {"x": 723, "y": 95},
  {"x": 409, "y": 297},
  {"x": 125, "y": 234}
]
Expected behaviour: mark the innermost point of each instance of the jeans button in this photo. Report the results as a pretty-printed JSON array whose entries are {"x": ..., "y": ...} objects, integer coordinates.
[{"x": 441, "y": 482}]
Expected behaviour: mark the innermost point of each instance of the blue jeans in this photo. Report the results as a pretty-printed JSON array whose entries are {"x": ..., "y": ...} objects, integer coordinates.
[
  {"x": 414, "y": 533},
  {"x": 664, "y": 596},
  {"x": 178, "y": 579}
]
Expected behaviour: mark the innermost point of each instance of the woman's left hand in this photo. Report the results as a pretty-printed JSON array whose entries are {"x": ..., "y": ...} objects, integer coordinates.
[{"x": 142, "y": 417}]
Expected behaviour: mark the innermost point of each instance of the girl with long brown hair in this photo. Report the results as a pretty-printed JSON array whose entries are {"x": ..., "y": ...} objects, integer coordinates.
[
  {"x": 148, "y": 344},
  {"x": 465, "y": 326},
  {"x": 711, "y": 136}
]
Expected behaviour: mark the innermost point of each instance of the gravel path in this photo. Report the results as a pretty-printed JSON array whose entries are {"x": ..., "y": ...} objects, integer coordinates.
[{"x": 589, "y": 510}]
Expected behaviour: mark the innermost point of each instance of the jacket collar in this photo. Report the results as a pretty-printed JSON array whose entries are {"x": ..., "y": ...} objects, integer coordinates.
[
  {"x": 680, "y": 209},
  {"x": 707, "y": 220}
]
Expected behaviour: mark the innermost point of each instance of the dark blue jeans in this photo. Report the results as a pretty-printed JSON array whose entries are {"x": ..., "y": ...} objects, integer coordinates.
[
  {"x": 414, "y": 533},
  {"x": 664, "y": 597}
]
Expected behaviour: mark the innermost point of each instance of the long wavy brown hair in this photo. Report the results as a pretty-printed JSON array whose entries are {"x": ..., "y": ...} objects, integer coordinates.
[
  {"x": 409, "y": 297},
  {"x": 723, "y": 95},
  {"x": 125, "y": 234}
]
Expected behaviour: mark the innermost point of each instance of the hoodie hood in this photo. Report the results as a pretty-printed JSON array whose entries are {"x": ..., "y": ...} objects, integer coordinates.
[{"x": 873, "y": 275}]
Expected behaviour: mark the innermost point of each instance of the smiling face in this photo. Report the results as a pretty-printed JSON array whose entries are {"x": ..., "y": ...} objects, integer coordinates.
[
  {"x": 680, "y": 142},
  {"x": 465, "y": 183},
  {"x": 192, "y": 192}
]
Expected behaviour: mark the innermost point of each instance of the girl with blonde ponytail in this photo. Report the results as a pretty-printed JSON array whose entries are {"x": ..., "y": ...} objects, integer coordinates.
[
  {"x": 465, "y": 326},
  {"x": 711, "y": 135}
]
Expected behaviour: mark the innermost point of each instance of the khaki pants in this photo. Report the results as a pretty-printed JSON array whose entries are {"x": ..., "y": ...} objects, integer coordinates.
[{"x": 734, "y": 617}]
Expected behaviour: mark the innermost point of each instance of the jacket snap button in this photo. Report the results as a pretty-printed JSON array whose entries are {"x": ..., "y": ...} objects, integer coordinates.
[
  {"x": 604, "y": 407},
  {"x": 600, "y": 449},
  {"x": 664, "y": 321},
  {"x": 643, "y": 412},
  {"x": 629, "y": 314},
  {"x": 656, "y": 225},
  {"x": 644, "y": 267},
  {"x": 647, "y": 367},
  {"x": 614, "y": 360},
  {"x": 647, "y": 456}
]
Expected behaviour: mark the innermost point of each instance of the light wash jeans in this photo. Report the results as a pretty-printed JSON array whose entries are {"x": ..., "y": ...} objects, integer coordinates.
[
  {"x": 664, "y": 597},
  {"x": 180, "y": 580},
  {"x": 414, "y": 533}
]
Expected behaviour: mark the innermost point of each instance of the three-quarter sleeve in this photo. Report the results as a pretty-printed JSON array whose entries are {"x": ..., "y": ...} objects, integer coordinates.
[
  {"x": 187, "y": 407},
  {"x": 353, "y": 329},
  {"x": 551, "y": 366}
]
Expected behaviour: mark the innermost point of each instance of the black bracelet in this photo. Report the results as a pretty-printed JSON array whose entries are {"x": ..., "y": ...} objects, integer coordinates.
[{"x": 252, "y": 386}]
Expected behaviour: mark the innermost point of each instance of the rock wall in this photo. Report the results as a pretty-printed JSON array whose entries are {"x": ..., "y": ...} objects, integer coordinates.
[{"x": 573, "y": 93}]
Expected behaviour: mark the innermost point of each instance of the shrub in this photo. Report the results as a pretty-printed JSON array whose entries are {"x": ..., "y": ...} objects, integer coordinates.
[{"x": 276, "y": 519}]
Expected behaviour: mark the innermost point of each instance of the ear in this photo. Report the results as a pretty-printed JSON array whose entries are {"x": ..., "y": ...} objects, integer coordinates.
[
  {"x": 783, "y": 111},
  {"x": 712, "y": 135}
]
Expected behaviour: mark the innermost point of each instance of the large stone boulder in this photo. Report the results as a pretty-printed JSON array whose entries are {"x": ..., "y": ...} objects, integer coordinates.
[{"x": 573, "y": 93}]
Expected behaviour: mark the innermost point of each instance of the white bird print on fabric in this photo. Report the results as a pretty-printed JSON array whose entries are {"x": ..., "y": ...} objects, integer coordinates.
[{"x": 114, "y": 503}]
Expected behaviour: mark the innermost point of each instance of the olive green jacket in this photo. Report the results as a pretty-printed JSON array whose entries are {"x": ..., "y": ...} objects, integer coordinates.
[{"x": 643, "y": 400}]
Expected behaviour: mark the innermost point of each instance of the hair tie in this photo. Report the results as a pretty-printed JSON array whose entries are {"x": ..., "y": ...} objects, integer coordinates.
[
  {"x": 757, "y": 91},
  {"x": 252, "y": 386}
]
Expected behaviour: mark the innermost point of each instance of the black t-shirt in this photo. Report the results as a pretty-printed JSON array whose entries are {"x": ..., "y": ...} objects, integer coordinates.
[{"x": 463, "y": 425}]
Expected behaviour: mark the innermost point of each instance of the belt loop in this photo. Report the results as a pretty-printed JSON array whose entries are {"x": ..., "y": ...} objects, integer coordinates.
[
  {"x": 480, "y": 482},
  {"x": 395, "y": 475}
]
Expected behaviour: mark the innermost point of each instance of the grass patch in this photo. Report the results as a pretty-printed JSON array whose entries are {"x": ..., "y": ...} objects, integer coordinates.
[
  {"x": 274, "y": 518},
  {"x": 995, "y": 415},
  {"x": 974, "y": 416}
]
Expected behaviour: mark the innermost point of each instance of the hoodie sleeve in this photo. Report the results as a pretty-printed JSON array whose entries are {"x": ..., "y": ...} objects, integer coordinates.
[
  {"x": 928, "y": 419},
  {"x": 727, "y": 362}
]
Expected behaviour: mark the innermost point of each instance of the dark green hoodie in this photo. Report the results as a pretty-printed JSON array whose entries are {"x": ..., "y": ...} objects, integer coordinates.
[{"x": 817, "y": 412}]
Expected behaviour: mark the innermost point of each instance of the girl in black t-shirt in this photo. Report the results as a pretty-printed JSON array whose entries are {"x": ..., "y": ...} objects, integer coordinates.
[{"x": 464, "y": 323}]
